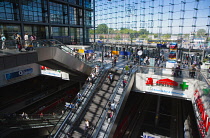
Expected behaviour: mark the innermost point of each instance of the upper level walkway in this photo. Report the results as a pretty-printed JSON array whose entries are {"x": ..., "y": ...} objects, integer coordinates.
[{"x": 56, "y": 56}]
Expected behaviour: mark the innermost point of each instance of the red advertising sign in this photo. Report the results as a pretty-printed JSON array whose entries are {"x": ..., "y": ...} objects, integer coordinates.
[{"x": 203, "y": 118}]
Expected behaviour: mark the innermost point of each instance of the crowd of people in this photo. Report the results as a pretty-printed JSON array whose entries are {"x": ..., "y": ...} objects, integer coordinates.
[{"x": 27, "y": 42}]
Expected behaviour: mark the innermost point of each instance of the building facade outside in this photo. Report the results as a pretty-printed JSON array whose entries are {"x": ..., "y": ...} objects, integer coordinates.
[{"x": 68, "y": 21}]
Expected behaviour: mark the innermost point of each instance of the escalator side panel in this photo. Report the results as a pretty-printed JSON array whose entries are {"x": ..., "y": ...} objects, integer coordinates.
[
  {"x": 59, "y": 58},
  {"x": 130, "y": 85}
]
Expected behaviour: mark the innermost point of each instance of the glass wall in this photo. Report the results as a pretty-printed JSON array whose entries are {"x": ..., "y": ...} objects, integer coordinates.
[
  {"x": 46, "y": 19},
  {"x": 76, "y": 35},
  {"x": 58, "y": 13},
  {"x": 39, "y": 31},
  {"x": 9, "y": 30},
  {"x": 9, "y": 10},
  {"x": 87, "y": 3},
  {"x": 88, "y": 18},
  {"x": 34, "y": 11},
  {"x": 73, "y": 15},
  {"x": 59, "y": 31},
  {"x": 78, "y": 2}
]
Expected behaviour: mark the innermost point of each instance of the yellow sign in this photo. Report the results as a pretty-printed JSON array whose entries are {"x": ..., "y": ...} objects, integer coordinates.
[
  {"x": 81, "y": 51},
  {"x": 115, "y": 52}
]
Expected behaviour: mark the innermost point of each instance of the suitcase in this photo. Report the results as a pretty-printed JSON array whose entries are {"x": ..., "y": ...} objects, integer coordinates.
[{"x": 30, "y": 47}]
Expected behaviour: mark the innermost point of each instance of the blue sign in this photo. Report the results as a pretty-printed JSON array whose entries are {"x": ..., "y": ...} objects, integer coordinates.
[
  {"x": 89, "y": 51},
  {"x": 173, "y": 43},
  {"x": 20, "y": 73},
  {"x": 125, "y": 53},
  {"x": 100, "y": 41},
  {"x": 161, "y": 46}
]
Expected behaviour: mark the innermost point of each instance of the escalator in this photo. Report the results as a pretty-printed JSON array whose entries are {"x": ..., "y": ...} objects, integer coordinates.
[{"x": 93, "y": 110}]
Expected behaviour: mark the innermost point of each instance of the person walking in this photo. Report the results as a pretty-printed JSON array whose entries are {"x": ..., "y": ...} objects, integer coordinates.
[
  {"x": 208, "y": 76},
  {"x": 110, "y": 76},
  {"x": 3, "y": 39},
  {"x": 124, "y": 83},
  {"x": 127, "y": 69},
  {"x": 109, "y": 115},
  {"x": 26, "y": 40},
  {"x": 41, "y": 116},
  {"x": 87, "y": 125},
  {"x": 114, "y": 61},
  {"x": 113, "y": 106},
  {"x": 33, "y": 39},
  {"x": 79, "y": 95},
  {"x": 18, "y": 42}
]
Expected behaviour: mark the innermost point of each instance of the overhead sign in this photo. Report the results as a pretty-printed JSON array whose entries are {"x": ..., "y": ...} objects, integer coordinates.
[
  {"x": 100, "y": 41},
  {"x": 81, "y": 51},
  {"x": 16, "y": 74},
  {"x": 89, "y": 51},
  {"x": 51, "y": 73},
  {"x": 148, "y": 135},
  {"x": 166, "y": 86}
]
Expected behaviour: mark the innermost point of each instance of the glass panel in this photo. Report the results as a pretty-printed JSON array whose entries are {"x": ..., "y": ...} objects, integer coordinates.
[
  {"x": 72, "y": 13},
  {"x": 9, "y": 30},
  {"x": 87, "y": 3},
  {"x": 58, "y": 13},
  {"x": 9, "y": 10},
  {"x": 39, "y": 31},
  {"x": 34, "y": 11},
  {"x": 88, "y": 18},
  {"x": 73, "y": 1}
]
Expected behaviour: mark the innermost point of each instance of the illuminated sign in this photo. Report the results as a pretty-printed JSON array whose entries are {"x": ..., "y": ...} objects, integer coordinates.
[
  {"x": 168, "y": 92},
  {"x": 148, "y": 135},
  {"x": 51, "y": 73},
  {"x": 167, "y": 82},
  {"x": 203, "y": 118},
  {"x": 184, "y": 86},
  {"x": 17, "y": 74}
]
